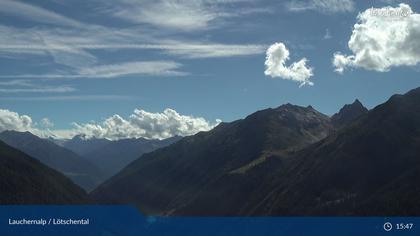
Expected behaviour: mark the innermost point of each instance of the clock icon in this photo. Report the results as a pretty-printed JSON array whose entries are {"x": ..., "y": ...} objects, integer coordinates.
[{"x": 387, "y": 226}]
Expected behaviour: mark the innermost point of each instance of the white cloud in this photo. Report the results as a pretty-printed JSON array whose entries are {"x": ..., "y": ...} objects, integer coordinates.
[
  {"x": 46, "y": 123},
  {"x": 324, "y": 6},
  {"x": 383, "y": 38},
  {"x": 10, "y": 120},
  {"x": 139, "y": 124},
  {"x": 145, "y": 124},
  {"x": 275, "y": 64}
]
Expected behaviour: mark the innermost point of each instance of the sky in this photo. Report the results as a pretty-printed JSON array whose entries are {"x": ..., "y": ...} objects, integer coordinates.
[{"x": 155, "y": 69}]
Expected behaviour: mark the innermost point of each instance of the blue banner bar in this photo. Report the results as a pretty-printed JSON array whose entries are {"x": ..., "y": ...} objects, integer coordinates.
[{"x": 126, "y": 221}]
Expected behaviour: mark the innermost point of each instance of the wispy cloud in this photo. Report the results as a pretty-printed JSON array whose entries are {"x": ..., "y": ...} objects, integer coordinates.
[
  {"x": 46, "y": 89},
  {"x": 78, "y": 45},
  {"x": 40, "y": 42},
  {"x": 75, "y": 49},
  {"x": 35, "y": 13},
  {"x": 327, "y": 34},
  {"x": 185, "y": 15},
  {"x": 149, "y": 68},
  {"x": 212, "y": 50},
  {"x": 97, "y": 97},
  {"x": 186, "y": 49},
  {"x": 28, "y": 86},
  {"x": 154, "y": 68},
  {"x": 16, "y": 82},
  {"x": 323, "y": 6}
]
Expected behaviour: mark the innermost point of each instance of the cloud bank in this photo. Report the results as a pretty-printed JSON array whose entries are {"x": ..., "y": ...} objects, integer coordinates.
[
  {"x": 275, "y": 64},
  {"x": 145, "y": 124},
  {"x": 382, "y": 38},
  {"x": 140, "y": 123}
]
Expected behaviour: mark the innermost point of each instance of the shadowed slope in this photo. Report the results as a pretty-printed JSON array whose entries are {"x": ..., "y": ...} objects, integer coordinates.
[{"x": 24, "y": 180}]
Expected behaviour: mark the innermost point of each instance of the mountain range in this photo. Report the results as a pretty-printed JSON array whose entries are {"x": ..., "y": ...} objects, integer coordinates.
[
  {"x": 286, "y": 161},
  {"x": 290, "y": 160},
  {"x": 87, "y": 162},
  {"x": 78, "y": 169},
  {"x": 112, "y": 156}
]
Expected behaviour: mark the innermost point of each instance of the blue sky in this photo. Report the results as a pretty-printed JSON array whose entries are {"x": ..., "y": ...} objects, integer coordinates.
[{"x": 84, "y": 61}]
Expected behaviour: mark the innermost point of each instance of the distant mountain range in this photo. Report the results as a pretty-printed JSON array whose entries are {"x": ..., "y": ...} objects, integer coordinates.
[
  {"x": 286, "y": 161},
  {"x": 87, "y": 162},
  {"x": 25, "y": 180},
  {"x": 112, "y": 156},
  {"x": 82, "y": 145},
  {"x": 81, "y": 171}
]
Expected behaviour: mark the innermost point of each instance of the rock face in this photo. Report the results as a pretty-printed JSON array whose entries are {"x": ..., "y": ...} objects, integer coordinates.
[
  {"x": 25, "y": 180},
  {"x": 77, "y": 168}
]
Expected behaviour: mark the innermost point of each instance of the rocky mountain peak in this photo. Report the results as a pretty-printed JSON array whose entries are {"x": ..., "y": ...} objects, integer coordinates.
[{"x": 348, "y": 113}]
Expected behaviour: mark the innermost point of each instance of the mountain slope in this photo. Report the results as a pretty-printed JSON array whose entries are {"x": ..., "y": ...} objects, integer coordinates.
[
  {"x": 81, "y": 171},
  {"x": 370, "y": 167},
  {"x": 112, "y": 156},
  {"x": 115, "y": 155},
  {"x": 24, "y": 180},
  {"x": 167, "y": 179}
]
